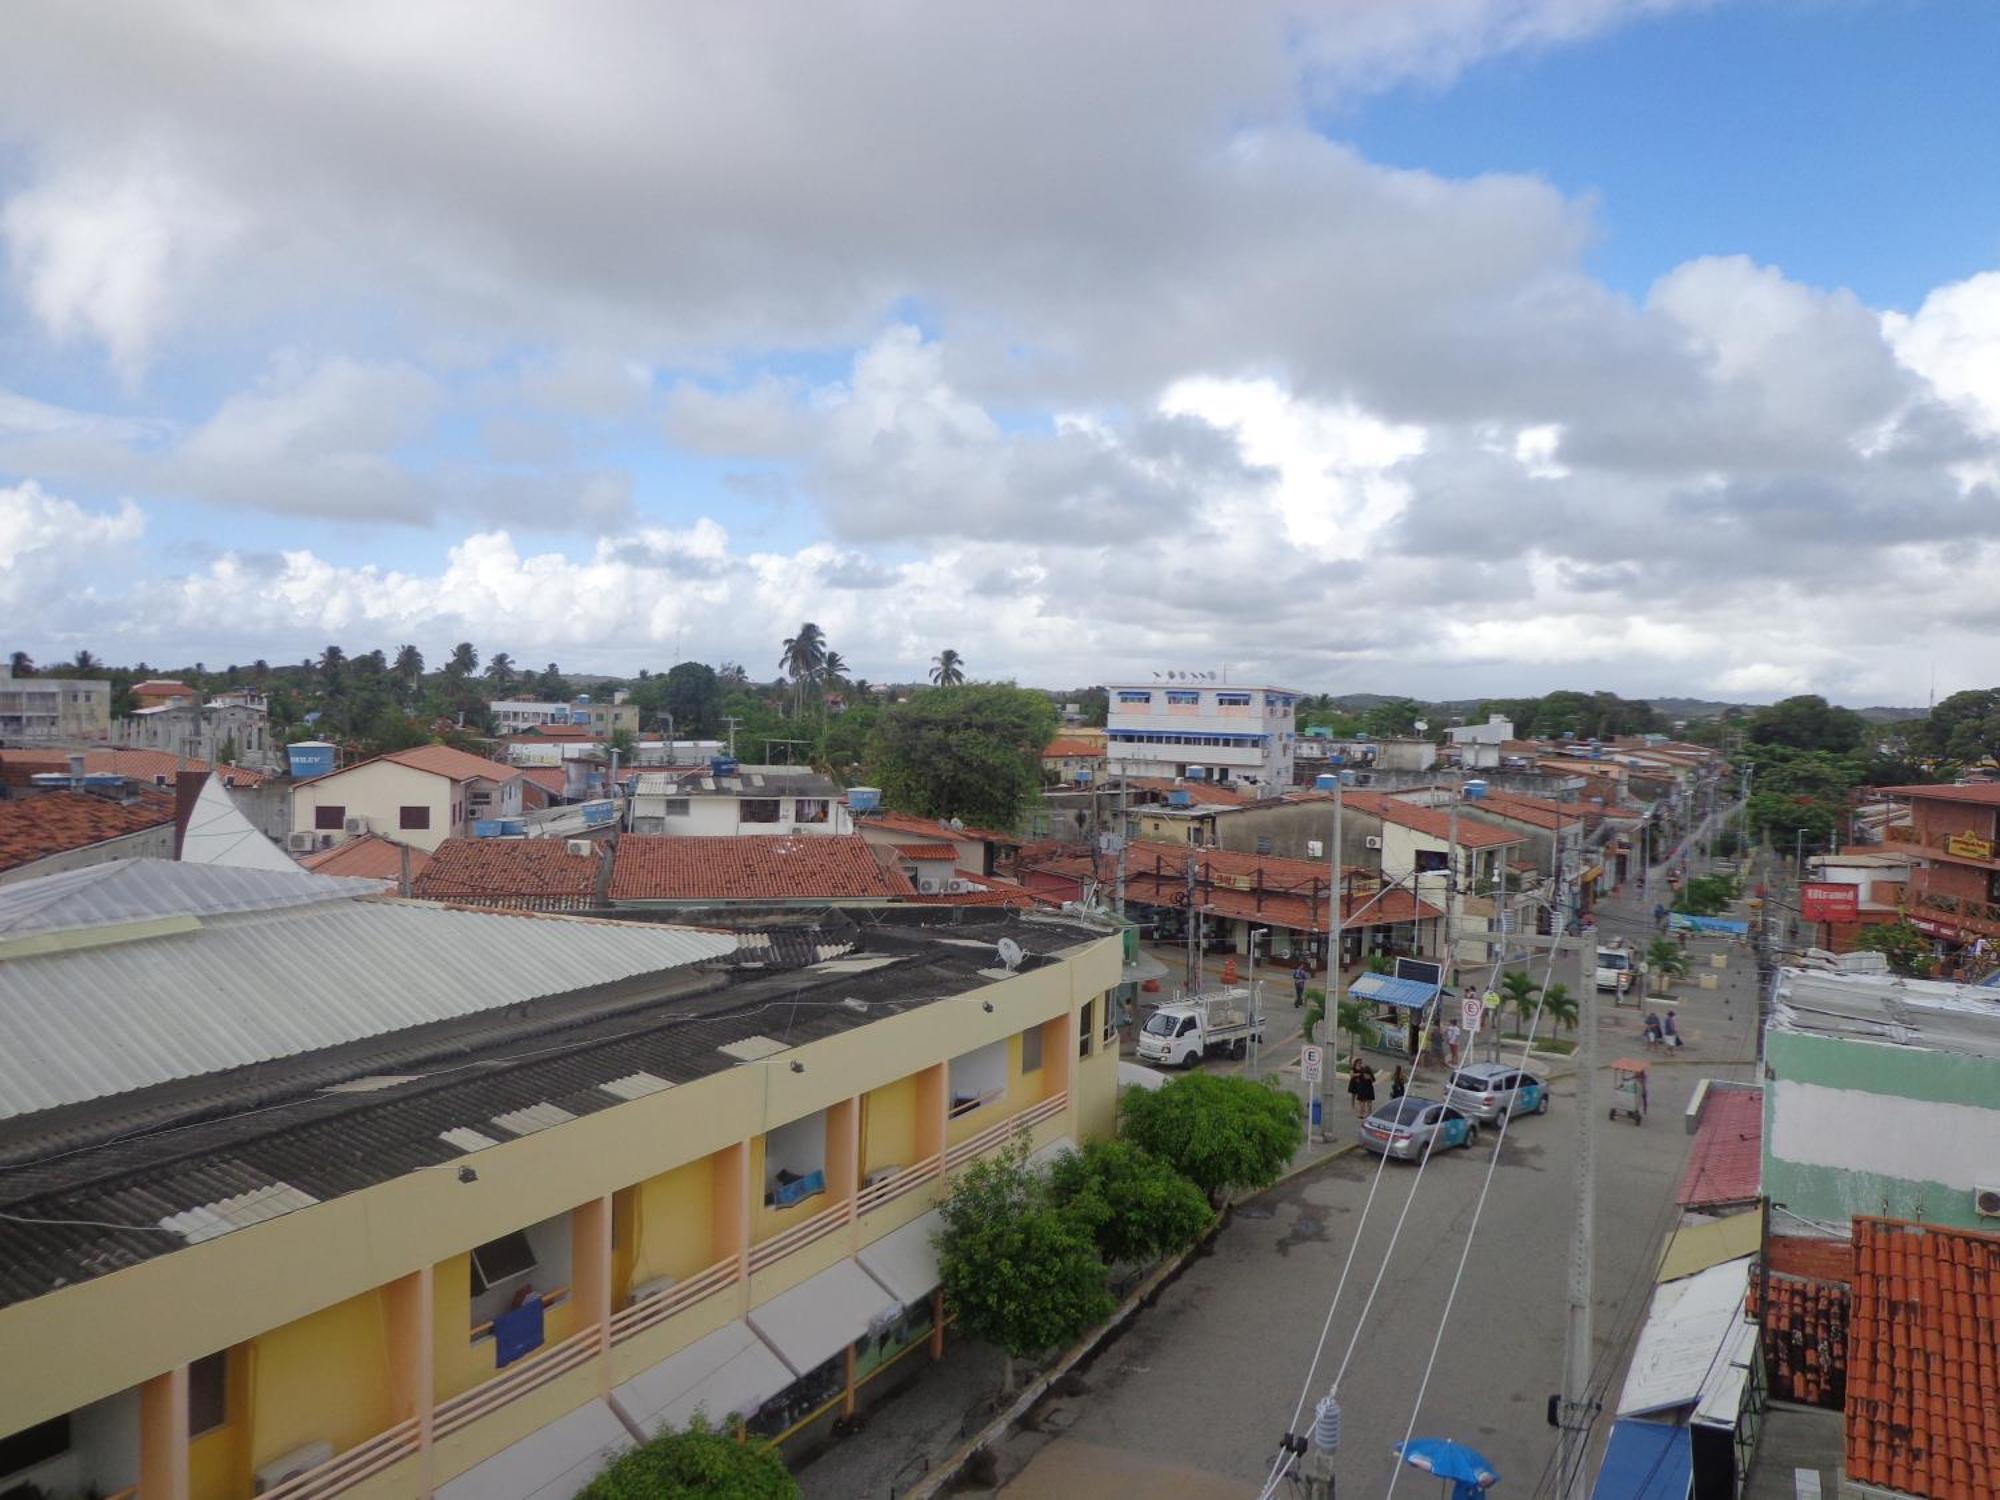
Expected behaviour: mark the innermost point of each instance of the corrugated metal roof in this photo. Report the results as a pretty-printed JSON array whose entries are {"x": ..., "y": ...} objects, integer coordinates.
[
  {"x": 253, "y": 988},
  {"x": 144, "y": 890},
  {"x": 210, "y": 1220},
  {"x": 1686, "y": 1343}
]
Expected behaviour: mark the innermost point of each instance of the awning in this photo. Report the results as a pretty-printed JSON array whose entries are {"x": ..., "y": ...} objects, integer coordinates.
[
  {"x": 1696, "y": 1247},
  {"x": 550, "y": 1463},
  {"x": 905, "y": 1261},
  {"x": 1385, "y": 989},
  {"x": 821, "y": 1316},
  {"x": 1689, "y": 1339},
  {"x": 1645, "y": 1461},
  {"x": 730, "y": 1373}
]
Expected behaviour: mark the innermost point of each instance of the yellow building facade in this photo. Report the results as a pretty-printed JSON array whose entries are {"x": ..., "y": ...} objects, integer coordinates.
[{"x": 426, "y": 1334}]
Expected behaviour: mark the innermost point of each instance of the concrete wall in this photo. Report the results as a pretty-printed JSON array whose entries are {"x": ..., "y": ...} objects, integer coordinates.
[
  {"x": 715, "y": 816},
  {"x": 1863, "y": 1128},
  {"x": 378, "y": 791}
]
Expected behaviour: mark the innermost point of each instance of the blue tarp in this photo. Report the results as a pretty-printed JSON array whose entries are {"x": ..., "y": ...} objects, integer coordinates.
[
  {"x": 1680, "y": 921},
  {"x": 516, "y": 1332},
  {"x": 1382, "y": 989},
  {"x": 1645, "y": 1461}
]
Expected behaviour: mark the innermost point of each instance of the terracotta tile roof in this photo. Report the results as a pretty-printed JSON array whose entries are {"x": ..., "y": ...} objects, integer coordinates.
[
  {"x": 140, "y": 765},
  {"x": 1726, "y": 1162},
  {"x": 551, "y": 779},
  {"x": 1805, "y": 1339},
  {"x": 929, "y": 828},
  {"x": 927, "y": 852},
  {"x": 370, "y": 856},
  {"x": 46, "y": 823},
  {"x": 1923, "y": 1361},
  {"x": 1541, "y": 812},
  {"x": 162, "y": 687},
  {"x": 1073, "y": 750},
  {"x": 531, "y": 874},
  {"x": 1985, "y": 793},
  {"x": 1472, "y": 834},
  {"x": 438, "y": 760},
  {"x": 1200, "y": 793},
  {"x": 661, "y": 867}
]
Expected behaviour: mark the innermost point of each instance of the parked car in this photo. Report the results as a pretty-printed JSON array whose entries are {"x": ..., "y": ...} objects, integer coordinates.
[
  {"x": 1406, "y": 1128},
  {"x": 1486, "y": 1091}
]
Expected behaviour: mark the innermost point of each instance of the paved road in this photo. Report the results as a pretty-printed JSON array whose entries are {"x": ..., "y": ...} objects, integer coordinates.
[{"x": 1191, "y": 1401}]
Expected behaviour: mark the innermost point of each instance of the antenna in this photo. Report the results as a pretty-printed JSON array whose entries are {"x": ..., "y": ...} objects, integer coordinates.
[{"x": 1010, "y": 954}]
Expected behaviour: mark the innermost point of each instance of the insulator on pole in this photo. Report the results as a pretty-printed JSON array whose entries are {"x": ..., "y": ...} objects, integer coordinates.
[{"x": 1326, "y": 1424}]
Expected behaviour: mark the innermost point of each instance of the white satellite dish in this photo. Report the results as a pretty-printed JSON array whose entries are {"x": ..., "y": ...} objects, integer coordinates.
[{"x": 1010, "y": 954}]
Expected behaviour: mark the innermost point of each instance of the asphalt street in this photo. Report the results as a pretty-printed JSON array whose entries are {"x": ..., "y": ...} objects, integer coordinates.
[{"x": 1191, "y": 1401}]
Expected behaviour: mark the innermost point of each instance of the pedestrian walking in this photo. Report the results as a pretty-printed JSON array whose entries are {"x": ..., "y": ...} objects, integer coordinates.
[
  {"x": 1452, "y": 1038},
  {"x": 1355, "y": 1068},
  {"x": 1364, "y": 1102},
  {"x": 1659, "y": 917},
  {"x": 1398, "y": 1083},
  {"x": 1299, "y": 977},
  {"x": 1670, "y": 1033}
]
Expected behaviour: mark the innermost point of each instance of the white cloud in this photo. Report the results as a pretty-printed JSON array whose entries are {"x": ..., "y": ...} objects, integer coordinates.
[
  {"x": 1953, "y": 341},
  {"x": 47, "y": 541}
]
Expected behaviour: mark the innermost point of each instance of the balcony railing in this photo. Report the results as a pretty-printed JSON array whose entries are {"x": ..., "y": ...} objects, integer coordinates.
[
  {"x": 798, "y": 1236},
  {"x": 906, "y": 1180},
  {"x": 1001, "y": 1131},
  {"x": 529, "y": 1374},
  {"x": 652, "y": 1311},
  {"x": 357, "y": 1465},
  {"x": 1965, "y": 908}
]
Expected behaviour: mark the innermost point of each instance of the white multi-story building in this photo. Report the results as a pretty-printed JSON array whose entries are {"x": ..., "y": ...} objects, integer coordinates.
[
  {"x": 515, "y": 714},
  {"x": 1231, "y": 733},
  {"x": 53, "y": 708},
  {"x": 749, "y": 800}
]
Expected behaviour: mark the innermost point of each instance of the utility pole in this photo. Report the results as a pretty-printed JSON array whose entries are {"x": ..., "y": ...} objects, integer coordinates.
[
  {"x": 1193, "y": 930},
  {"x": 1450, "y": 954},
  {"x": 732, "y": 721},
  {"x": 1574, "y": 1411},
  {"x": 1118, "y": 891}
]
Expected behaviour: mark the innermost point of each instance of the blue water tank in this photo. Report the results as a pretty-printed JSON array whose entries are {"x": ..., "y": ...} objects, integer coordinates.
[
  {"x": 311, "y": 758},
  {"x": 721, "y": 765},
  {"x": 1475, "y": 790},
  {"x": 1348, "y": 778},
  {"x": 1179, "y": 798},
  {"x": 863, "y": 799},
  {"x": 1325, "y": 783}
]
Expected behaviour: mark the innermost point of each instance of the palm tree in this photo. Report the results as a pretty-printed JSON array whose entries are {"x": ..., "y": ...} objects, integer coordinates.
[
  {"x": 1517, "y": 993},
  {"x": 260, "y": 674},
  {"x": 85, "y": 664},
  {"x": 1665, "y": 962},
  {"x": 731, "y": 674},
  {"x": 1560, "y": 1007},
  {"x": 409, "y": 664},
  {"x": 947, "y": 668},
  {"x": 803, "y": 657},
  {"x": 500, "y": 667},
  {"x": 464, "y": 660},
  {"x": 834, "y": 667},
  {"x": 331, "y": 660},
  {"x": 20, "y": 664}
]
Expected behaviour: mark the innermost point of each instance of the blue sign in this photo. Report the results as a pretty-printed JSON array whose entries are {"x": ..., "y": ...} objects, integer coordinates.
[
  {"x": 597, "y": 814},
  {"x": 1680, "y": 921}
]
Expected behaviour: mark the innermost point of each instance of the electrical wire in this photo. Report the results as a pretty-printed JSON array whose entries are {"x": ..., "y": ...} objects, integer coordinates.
[{"x": 1479, "y": 1206}]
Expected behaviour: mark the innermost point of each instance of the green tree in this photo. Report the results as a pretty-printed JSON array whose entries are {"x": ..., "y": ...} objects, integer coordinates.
[
  {"x": 693, "y": 695},
  {"x": 1136, "y": 1207},
  {"x": 1517, "y": 994},
  {"x": 409, "y": 664},
  {"x": 1560, "y": 1007},
  {"x": 85, "y": 665},
  {"x": 331, "y": 662},
  {"x": 1706, "y": 896},
  {"x": 1907, "y": 949},
  {"x": 1808, "y": 722},
  {"x": 500, "y": 670},
  {"x": 464, "y": 661},
  {"x": 1019, "y": 1272},
  {"x": 551, "y": 686},
  {"x": 1665, "y": 962},
  {"x": 621, "y": 743},
  {"x": 970, "y": 752},
  {"x": 947, "y": 668},
  {"x": 697, "y": 1463},
  {"x": 1221, "y": 1132},
  {"x": 802, "y": 658},
  {"x": 225, "y": 754},
  {"x": 844, "y": 746},
  {"x": 1396, "y": 717},
  {"x": 1964, "y": 728},
  {"x": 20, "y": 664}
]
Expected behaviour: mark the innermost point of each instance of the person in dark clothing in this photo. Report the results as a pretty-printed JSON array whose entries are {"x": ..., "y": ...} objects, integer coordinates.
[
  {"x": 1398, "y": 1084},
  {"x": 1365, "y": 1100},
  {"x": 1299, "y": 977}
]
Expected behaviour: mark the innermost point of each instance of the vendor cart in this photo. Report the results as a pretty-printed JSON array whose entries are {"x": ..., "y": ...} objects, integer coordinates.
[{"x": 1628, "y": 1089}]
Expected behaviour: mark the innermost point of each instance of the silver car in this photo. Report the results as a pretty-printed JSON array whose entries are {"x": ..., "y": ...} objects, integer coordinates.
[
  {"x": 1486, "y": 1091},
  {"x": 1406, "y": 1128}
]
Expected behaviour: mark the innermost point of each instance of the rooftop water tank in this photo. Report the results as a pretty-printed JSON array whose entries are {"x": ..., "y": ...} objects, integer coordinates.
[
  {"x": 721, "y": 765},
  {"x": 1325, "y": 783},
  {"x": 1179, "y": 798},
  {"x": 864, "y": 799},
  {"x": 310, "y": 758},
  {"x": 1475, "y": 790},
  {"x": 1197, "y": 773}
]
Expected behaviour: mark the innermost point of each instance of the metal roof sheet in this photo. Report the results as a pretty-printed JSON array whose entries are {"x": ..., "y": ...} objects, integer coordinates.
[
  {"x": 251, "y": 988},
  {"x": 1386, "y": 989},
  {"x": 144, "y": 890},
  {"x": 1645, "y": 1461},
  {"x": 1686, "y": 1343}
]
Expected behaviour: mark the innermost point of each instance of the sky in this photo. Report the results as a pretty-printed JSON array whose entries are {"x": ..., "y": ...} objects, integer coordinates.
[{"x": 1442, "y": 347}]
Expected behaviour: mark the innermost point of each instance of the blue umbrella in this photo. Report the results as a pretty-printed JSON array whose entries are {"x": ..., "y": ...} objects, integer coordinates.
[{"x": 1465, "y": 1467}]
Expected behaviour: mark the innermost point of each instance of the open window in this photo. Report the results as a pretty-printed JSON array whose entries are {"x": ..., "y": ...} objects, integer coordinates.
[
  {"x": 520, "y": 1266},
  {"x": 795, "y": 1161},
  {"x": 1031, "y": 1050},
  {"x": 978, "y": 1077},
  {"x": 758, "y": 810}
]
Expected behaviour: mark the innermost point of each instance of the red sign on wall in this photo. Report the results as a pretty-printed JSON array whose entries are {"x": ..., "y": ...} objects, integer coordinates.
[{"x": 1829, "y": 901}]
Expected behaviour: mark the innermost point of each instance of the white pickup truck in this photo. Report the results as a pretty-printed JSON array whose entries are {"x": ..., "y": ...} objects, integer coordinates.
[
  {"x": 1614, "y": 968},
  {"x": 1181, "y": 1034}
]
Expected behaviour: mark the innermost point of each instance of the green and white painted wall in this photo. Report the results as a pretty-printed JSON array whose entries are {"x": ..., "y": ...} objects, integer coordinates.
[{"x": 1855, "y": 1127}]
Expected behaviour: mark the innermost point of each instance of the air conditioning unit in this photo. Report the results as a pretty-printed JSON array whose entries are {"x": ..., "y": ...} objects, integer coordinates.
[
  {"x": 356, "y": 825},
  {"x": 958, "y": 887},
  {"x": 645, "y": 1289},
  {"x": 299, "y": 842},
  {"x": 299, "y": 1461},
  {"x": 1986, "y": 1202},
  {"x": 579, "y": 846},
  {"x": 1373, "y": 841},
  {"x": 1315, "y": 849}
]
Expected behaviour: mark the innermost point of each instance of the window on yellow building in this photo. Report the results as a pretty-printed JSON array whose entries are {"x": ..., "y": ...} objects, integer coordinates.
[
  {"x": 208, "y": 1393},
  {"x": 1086, "y": 1029},
  {"x": 1031, "y": 1050},
  {"x": 501, "y": 1260},
  {"x": 978, "y": 1077}
]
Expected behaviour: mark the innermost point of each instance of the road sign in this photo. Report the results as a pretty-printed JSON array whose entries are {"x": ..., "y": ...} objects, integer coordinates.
[
  {"x": 1471, "y": 1013},
  {"x": 1312, "y": 1063}
]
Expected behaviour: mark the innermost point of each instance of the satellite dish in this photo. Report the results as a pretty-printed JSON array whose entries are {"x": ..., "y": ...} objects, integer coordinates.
[{"x": 1010, "y": 954}]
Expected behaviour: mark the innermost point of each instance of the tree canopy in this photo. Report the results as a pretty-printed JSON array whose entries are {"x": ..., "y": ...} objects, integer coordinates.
[
  {"x": 1808, "y": 722},
  {"x": 1964, "y": 728},
  {"x": 1221, "y": 1132},
  {"x": 1136, "y": 1206},
  {"x": 697, "y": 1463},
  {"x": 972, "y": 752}
]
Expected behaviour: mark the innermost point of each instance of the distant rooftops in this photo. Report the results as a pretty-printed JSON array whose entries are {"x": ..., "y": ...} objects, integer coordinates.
[
  {"x": 652, "y": 868},
  {"x": 1980, "y": 793},
  {"x": 50, "y": 823},
  {"x": 1885, "y": 1009},
  {"x": 745, "y": 781},
  {"x": 527, "y": 874},
  {"x": 371, "y": 857},
  {"x": 437, "y": 760}
]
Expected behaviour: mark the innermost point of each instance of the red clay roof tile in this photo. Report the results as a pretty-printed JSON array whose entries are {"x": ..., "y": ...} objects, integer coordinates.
[
  {"x": 661, "y": 867},
  {"x": 537, "y": 874},
  {"x": 1472, "y": 833},
  {"x": 1726, "y": 1162},
  {"x": 371, "y": 856},
  {"x": 927, "y": 852},
  {"x": 47, "y": 823}
]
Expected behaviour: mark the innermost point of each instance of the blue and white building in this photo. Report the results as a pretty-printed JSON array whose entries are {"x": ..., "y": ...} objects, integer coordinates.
[{"x": 1189, "y": 726}]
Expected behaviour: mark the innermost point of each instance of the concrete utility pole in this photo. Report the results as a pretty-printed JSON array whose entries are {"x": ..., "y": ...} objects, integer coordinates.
[
  {"x": 1575, "y": 1409},
  {"x": 1118, "y": 890},
  {"x": 1336, "y": 913},
  {"x": 1450, "y": 954}
]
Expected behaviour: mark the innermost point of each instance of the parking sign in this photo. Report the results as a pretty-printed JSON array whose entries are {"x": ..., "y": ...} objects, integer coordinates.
[
  {"x": 1312, "y": 1060},
  {"x": 1471, "y": 1012}
]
